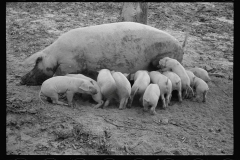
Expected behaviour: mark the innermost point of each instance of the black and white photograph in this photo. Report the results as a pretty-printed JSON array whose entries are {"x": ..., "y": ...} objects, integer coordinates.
[{"x": 119, "y": 78}]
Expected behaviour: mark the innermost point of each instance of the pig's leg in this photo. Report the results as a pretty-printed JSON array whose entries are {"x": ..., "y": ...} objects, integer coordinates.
[
  {"x": 163, "y": 100},
  {"x": 99, "y": 104},
  {"x": 125, "y": 103},
  {"x": 106, "y": 103},
  {"x": 152, "y": 110},
  {"x": 122, "y": 102},
  {"x": 180, "y": 95},
  {"x": 55, "y": 100},
  {"x": 69, "y": 98},
  {"x": 191, "y": 90},
  {"x": 129, "y": 105},
  {"x": 168, "y": 98},
  {"x": 185, "y": 93},
  {"x": 141, "y": 99},
  {"x": 145, "y": 106},
  {"x": 196, "y": 99},
  {"x": 132, "y": 95},
  {"x": 204, "y": 96}
]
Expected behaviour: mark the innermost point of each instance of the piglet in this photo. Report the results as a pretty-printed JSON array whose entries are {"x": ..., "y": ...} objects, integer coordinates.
[{"x": 69, "y": 85}]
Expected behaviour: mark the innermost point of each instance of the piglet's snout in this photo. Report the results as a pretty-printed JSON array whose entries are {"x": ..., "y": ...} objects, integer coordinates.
[{"x": 93, "y": 91}]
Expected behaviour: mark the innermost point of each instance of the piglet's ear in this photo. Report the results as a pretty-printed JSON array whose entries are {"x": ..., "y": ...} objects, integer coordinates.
[
  {"x": 112, "y": 71},
  {"x": 32, "y": 59},
  {"x": 84, "y": 87},
  {"x": 126, "y": 74}
]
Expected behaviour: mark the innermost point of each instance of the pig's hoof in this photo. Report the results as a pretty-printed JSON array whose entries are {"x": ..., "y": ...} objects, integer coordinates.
[
  {"x": 128, "y": 106},
  {"x": 153, "y": 113},
  {"x": 71, "y": 105},
  {"x": 96, "y": 107}
]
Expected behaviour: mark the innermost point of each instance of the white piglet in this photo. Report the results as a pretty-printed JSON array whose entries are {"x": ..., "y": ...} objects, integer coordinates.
[
  {"x": 201, "y": 73},
  {"x": 96, "y": 97},
  {"x": 151, "y": 97},
  {"x": 107, "y": 85},
  {"x": 141, "y": 81},
  {"x": 176, "y": 82},
  {"x": 69, "y": 85},
  {"x": 123, "y": 88},
  {"x": 165, "y": 86},
  {"x": 201, "y": 88},
  {"x": 169, "y": 64}
]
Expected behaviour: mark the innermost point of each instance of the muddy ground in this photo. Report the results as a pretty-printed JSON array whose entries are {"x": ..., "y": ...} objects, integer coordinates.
[{"x": 189, "y": 128}]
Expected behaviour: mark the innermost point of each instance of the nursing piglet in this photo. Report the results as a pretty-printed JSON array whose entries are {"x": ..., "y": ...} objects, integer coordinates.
[
  {"x": 123, "y": 88},
  {"x": 107, "y": 86},
  {"x": 151, "y": 97},
  {"x": 96, "y": 97},
  {"x": 176, "y": 82},
  {"x": 169, "y": 64},
  {"x": 165, "y": 86},
  {"x": 69, "y": 85},
  {"x": 201, "y": 88},
  {"x": 201, "y": 73},
  {"x": 141, "y": 82}
]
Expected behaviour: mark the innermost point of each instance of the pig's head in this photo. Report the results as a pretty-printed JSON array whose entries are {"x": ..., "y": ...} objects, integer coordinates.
[
  {"x": 45, "y": 67},
  {"x": 162, "y": 62},
  {"x": 88, "y": 88}
]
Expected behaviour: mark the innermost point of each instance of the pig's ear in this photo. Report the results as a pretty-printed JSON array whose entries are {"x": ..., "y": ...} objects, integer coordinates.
[
  {"x": 112, "y": 71},
  {"x": 32, "y": 59},
  {"x": 194, "y": 78},
  {"x": 126, "y": 74},
  {"x": 84, "y": 87}
]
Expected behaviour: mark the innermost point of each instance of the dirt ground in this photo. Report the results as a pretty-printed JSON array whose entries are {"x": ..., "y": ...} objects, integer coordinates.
[{"x": 189, "y": 128}]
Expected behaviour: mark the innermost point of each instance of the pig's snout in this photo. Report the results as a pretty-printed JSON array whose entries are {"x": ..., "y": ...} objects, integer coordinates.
[
  {"x": 159, "y": 66},
  {"x": 34, "y": 77},
  {"x": 93, "y": 91},
  {"x": 28, "y": 79}
]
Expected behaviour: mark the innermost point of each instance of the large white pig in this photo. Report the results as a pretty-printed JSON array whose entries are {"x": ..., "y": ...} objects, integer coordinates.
[{"x": 124, "y": 46}]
